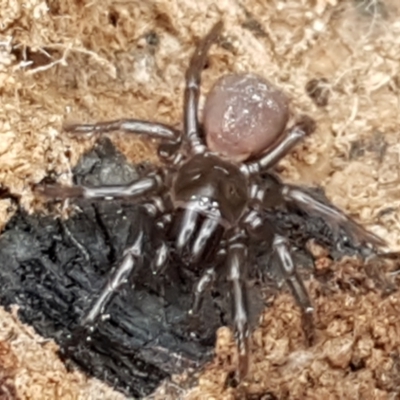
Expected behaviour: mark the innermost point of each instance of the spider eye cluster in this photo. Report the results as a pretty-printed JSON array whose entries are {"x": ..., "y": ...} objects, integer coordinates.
[
  {"x": 244, "y": 115},
  {"x": 230, "y": 189},
  {"x": 220, "y": 182}
]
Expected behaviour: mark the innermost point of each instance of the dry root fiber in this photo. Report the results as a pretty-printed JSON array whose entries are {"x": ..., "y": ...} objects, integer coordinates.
[{"x": 339, "y": 61}]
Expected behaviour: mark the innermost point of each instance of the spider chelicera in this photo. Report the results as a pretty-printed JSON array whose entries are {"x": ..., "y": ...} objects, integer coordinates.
[{"x": 209, "y": 198}]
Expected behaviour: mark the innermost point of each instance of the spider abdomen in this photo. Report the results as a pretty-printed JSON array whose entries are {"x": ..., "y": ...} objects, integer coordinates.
[{"x": 244, "y": 115}]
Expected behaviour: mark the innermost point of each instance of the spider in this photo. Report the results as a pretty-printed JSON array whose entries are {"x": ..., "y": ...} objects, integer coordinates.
[{"x": 210, "y": 197}]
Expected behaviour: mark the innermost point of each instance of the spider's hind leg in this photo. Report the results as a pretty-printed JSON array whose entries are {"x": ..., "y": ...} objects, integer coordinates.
[
  {"x": 273, "y": 193},
  {"x": 337, "y": 221}
]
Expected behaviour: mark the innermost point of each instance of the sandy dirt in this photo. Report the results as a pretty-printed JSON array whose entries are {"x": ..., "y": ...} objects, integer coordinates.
[{"x": 88, "y": 61}]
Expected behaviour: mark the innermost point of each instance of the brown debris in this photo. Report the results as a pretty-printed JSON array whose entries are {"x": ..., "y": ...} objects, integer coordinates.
[
  {"x": 85, "y": 61},
  {"x": 355, "y": 354},
  {"x": 8, "y": 368},
  {"x": 30, "y": 368}
]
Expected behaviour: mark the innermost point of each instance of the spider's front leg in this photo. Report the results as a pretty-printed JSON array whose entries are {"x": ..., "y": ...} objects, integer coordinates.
[
  {"x": 237, "y": 264},
  {"x": 260, "y": 230},
  {"x": 236, "y": 260},
  {"x": 131, "y": 259},
  {"x": 280, "y": 248},
  {"x": 345, "y": 231},
  {"x": 192, "y": 90},
  {"x": 136, "y": 189}
]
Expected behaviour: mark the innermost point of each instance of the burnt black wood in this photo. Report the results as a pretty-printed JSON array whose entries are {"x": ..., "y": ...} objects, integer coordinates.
[{"x": 53, "y": 269}]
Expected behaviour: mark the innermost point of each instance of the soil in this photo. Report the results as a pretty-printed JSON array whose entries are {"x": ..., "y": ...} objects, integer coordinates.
[{"x": 338, "y": 61}]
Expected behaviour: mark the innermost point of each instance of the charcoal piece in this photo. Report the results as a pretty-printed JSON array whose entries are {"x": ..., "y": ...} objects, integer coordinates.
[{"x": 53, "y": 269}]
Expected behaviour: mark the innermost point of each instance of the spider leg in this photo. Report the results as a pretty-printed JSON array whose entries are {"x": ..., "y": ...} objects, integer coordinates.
[
  {"x": 295, "y": 283},
  {"x": 131, "y": 258},
  {"x": 272, "y": 193},
  {"x": 236, "y": 262},
  {"x": 294, "y": 135},
  {"x": 280, "y": 246},
  {"x": 192, "y": 90},
  {"x": 170, "y": 137},
  {"x": 260, "y": 229},
  {"x": 151, "y": 129},
  {"x": 138, "y": 188},
  {"x": 336, "y": 219}
]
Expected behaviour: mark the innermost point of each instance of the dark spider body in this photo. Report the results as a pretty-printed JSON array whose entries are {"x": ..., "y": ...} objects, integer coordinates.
[{"x": 210, "y": 204}]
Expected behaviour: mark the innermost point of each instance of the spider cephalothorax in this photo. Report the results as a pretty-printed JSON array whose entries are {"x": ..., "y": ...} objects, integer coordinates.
[{"x": 210, "y": 203}]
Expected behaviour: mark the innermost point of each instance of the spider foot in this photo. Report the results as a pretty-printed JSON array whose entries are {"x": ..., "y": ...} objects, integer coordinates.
[
  {"x": 376, "y": 268},
  {"x": 59, "y": 192},
  {"x": 79, "y": 335},
  {"x": 243, "y": 358},
  {"x": 359, "y": 235},
  {"x": 305, "y": 124},
  {"x": 194, "y": 324},
  {"x": 307, "y": 324},
  {"x": 82, "y": 128}
]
